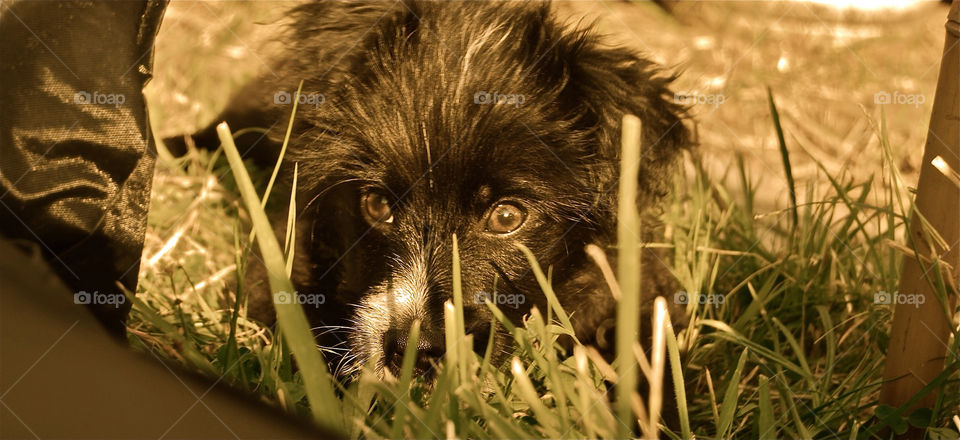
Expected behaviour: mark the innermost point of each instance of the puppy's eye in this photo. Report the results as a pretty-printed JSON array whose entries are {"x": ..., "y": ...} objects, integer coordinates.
[
  {"x": 505, "y": 218},
  {"x": 376, "y": 208}
]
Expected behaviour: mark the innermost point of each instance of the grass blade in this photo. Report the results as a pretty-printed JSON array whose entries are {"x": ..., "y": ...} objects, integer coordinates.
[
  {"x": 529, "y": 395},
  {"x": 786, "y": 158},
  {"x": 765, "y": 408},
  {"x": 628, "y": 273},
  {"x": 459, "y": 326},
  {"x": 679, "y": 387},
  {"x": 283, "y": 148},
  {"x": 406, "y": 377},
  {"x": 324, "y": 405},
  {"x": 729, "y": 405},
  {"x": 552, "y": 299},
  {"x": 290, "y": 245}
]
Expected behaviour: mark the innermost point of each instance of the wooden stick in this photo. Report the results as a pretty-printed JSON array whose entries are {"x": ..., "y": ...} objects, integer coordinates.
[{"x": 919, "y": 334}]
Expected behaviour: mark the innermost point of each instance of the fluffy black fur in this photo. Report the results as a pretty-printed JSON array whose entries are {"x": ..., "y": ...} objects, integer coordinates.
[{"x": 401, "y": 120}]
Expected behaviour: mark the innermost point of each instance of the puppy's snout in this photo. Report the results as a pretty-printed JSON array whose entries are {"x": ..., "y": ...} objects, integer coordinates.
[{"x": 430, "y": 348}]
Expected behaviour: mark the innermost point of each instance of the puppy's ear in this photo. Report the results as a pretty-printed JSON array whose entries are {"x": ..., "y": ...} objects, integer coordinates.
[{"x": 610, "y": 82}]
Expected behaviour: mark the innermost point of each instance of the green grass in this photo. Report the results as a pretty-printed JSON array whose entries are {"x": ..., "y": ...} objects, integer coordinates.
[{"x": 795, "y": 349}]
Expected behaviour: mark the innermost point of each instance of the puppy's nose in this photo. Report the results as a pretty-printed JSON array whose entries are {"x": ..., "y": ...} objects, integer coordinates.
[{"x": 430, "y": 348}]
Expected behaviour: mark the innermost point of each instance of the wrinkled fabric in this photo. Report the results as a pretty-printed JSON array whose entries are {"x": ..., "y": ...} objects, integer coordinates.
[{"x": 76, "y": 154}]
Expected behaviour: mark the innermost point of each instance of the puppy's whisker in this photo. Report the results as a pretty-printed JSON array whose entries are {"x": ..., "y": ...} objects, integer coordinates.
[
  {"x": 344, "y": 367},
  {"x": 324, "y": 327},
  {"x": 325, "y": 190}
]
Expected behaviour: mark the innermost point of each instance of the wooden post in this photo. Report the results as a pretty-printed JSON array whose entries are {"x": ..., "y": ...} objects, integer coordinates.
[{"x": 919, "y": 334}]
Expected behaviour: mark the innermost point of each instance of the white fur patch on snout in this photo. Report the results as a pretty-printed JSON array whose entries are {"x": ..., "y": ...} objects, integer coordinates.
[{"x": 399, "y": 300}]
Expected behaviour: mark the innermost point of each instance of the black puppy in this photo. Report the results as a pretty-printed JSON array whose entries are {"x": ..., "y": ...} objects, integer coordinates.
[{"x": 421, "y": 120}]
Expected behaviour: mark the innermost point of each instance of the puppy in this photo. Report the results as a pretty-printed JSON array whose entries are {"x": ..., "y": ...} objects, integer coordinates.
[{"x": 418, "y": 121}]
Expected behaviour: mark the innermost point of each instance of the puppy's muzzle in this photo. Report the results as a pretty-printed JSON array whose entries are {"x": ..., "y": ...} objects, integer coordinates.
[{"x": 430, "y": 347}]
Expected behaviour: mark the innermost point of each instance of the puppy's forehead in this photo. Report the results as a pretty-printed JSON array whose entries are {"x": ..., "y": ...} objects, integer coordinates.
[
  {"x": 463, "y": 97},
  {"x": 445, "y": 73}
]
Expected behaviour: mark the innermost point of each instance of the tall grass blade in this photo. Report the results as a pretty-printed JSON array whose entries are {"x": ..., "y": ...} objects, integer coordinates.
[
  {"x": 283, "y": 147},
  {"x": 628, "y": 273},
  {"x": 459, "y": 327},
  {"x": 785, "y": 155},
  {"x": 324, "y": 405}
]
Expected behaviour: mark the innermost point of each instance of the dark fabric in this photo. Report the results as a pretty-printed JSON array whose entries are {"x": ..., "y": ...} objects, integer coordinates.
[
  {"x": 76, "y": 158},
  {"x": 63, "y": 377}
]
